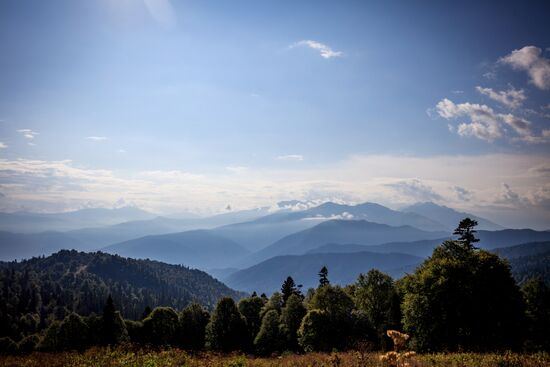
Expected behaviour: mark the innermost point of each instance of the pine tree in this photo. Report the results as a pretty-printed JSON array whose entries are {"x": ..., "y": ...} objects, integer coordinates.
[
  {"x": 323, "y": 276},
  {"x": 108, "y": 319},
  {"x": 289, "y": 288},
  {"x": 466, "y": 231}
]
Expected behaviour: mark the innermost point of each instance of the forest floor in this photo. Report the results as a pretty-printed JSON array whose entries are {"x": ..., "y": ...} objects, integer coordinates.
[{"x": 174, "y": 357}]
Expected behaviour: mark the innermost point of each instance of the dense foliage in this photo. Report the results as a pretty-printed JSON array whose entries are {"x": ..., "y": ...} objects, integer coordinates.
[
  {"x": 38, "y": 291},
  {"x": 461, "y": 298}
]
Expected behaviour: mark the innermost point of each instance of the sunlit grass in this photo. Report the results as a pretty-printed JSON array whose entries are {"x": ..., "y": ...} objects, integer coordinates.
[{"x": 130, "y": 357}]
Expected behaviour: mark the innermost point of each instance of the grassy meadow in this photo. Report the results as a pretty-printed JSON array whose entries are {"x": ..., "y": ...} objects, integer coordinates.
[{"x": 130, "y": 357}]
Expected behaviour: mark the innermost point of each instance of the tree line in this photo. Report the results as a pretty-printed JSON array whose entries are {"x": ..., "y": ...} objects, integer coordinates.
[{"x": 461, "y": 298}]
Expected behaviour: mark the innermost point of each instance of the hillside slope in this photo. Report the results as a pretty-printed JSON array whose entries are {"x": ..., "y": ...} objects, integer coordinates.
[
  {"x": 341, "y": 232},
  {"x": 200, "y": 249},
  {"x": 81, "y": 282},
  {"x": 268, "y": 275}
]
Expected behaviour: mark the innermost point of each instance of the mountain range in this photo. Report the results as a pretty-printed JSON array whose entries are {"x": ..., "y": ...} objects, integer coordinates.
[
  {"x": 24, "y": 222},
  {"x": 340, "y": 231},
  {"x": 231, "y": 243},
  {"x": 343, "y": 268},
  {"x": 449, "y": 217},
  {"x": 201, "y": 249},
  {"x": 527, "y": 260}
]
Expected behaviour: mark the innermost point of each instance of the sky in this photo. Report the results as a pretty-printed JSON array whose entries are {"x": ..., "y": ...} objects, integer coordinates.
[{"x": 177, "y": 106}]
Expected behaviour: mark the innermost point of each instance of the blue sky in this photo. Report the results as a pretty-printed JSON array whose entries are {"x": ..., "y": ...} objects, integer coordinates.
[{"x": 193, "y": 105}]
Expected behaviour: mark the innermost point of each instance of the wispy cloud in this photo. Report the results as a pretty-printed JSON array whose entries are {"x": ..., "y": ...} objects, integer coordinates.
[
  {"x": 324, "y": 50},
  {"x": 27, "y": 133},
  {"x": 511, "y": 98},
  {"x": 96, "y": 138},
  {"x": 3, "y": 145},
  {"x": 291, "y": 157},
  {"x": 530, "y": 59}
]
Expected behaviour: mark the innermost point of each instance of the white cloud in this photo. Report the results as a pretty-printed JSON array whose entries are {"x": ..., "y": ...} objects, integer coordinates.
[
  {"x": 483, "y": 121},
  {"x": 121, "y": 151},
  {"x": 530, "y": 59},
  {"x": 520, "y": 125},
  {"x": 512, "y": 98},
  {"x": 3, "y": 145},
  {"x": 341, "y": 216},
  {"x": 324, "y": 50},
  {"x": 291, "y": 157},
  {"x": 27, "y": 133},
  {"x": 96, "y": 138},
  {"x": 486, "y": 124}
]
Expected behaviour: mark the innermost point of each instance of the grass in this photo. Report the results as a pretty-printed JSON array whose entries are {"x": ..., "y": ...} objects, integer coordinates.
[{"x": 130, "y": 357}]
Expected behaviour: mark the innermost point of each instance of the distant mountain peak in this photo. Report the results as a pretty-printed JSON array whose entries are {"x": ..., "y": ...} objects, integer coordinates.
[{"x": 448, "y": 216}]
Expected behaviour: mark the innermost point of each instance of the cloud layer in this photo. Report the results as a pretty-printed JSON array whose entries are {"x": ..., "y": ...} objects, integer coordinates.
[{"x": 472, "y": 183}]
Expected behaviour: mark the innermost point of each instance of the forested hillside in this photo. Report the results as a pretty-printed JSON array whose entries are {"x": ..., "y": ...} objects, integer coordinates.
[{"x": 37, "y": 291}]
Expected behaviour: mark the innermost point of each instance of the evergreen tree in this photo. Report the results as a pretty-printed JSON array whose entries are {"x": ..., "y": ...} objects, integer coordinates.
[
  {"x": 466, "y": 232},
  {"x": 323, "y": 276},
  {"x": 114, "y": 329},
  {"x": 109, "y": 333},
  {"x": 289, "y": 288}
]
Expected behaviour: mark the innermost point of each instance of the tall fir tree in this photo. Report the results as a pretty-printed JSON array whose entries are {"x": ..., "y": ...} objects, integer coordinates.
[{"x": 323, "y": 276}]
